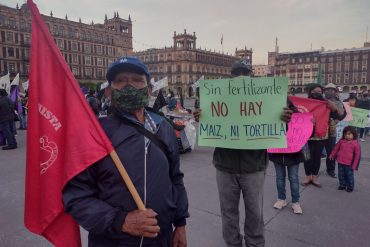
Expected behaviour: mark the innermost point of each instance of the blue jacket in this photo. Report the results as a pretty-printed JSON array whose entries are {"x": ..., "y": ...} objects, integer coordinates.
[{"x": 99, "y": 200}]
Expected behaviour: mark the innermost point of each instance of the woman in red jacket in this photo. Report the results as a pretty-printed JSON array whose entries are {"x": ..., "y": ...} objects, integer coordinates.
[{"x": 347, "y": 152}]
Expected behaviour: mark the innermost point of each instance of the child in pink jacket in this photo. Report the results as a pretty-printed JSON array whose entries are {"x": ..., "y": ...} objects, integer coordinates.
[{"x": 347, "y": 152}]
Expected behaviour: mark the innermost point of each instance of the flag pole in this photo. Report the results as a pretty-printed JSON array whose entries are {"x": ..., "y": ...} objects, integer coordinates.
[{"x": 127, "y": 180}]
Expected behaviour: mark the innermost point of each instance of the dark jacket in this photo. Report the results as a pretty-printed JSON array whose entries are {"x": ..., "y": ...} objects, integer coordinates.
[
  {"x": 98, "y": 199},
  {"x": 240, "y": 161},
  {"x": 6, "y": 109}
]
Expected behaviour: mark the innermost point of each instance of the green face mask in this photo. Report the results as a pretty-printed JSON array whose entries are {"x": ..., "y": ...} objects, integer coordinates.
[{"x": 129, "y": 98}]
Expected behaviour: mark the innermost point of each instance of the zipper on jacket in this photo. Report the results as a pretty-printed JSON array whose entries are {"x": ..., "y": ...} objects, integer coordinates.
[{"x": 145, "y": 158}]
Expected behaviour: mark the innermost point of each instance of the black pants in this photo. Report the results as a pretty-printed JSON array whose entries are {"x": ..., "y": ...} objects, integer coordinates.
[
  {"x": 312, "y": 166},
  {"x": 361, "y": 132},
  {"x": 329, "y": 146}
]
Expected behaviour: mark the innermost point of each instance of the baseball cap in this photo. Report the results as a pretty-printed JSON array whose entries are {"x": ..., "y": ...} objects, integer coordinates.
[{"x": 127, "y": 64}]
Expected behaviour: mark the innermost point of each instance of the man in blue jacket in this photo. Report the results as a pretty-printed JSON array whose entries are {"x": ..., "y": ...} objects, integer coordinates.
[{"x": 98, "y": 199}]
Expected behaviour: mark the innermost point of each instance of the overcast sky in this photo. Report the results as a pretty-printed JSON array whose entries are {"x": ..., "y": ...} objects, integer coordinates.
[{"x": 298, "y": 24}]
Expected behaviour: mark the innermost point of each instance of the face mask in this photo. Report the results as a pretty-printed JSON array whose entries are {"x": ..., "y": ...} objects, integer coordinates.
[
  {"x": 316, "y": 96},
  {"x": 329, "y": 95},
  {"x": 129, "y": 98}
]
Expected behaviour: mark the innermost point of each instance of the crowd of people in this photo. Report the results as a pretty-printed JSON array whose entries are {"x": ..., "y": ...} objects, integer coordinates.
[
  {"x": 145, "y": 141},
  {"x": 12, "y": 111}
]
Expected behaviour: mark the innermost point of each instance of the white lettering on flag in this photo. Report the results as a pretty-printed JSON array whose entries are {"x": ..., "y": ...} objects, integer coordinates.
[{"x": 48, "y": 115}]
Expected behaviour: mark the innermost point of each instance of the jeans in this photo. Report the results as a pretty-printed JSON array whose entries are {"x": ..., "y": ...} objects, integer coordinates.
[
  {"x": 329, "y": 146},
  {"x": 8, "y": 132},
  {"x": 293, "y": 180},
  {"x": 22, "y": 121},
  {"x": 346, "y": 177},
  {"x": 229, "y": 188}
]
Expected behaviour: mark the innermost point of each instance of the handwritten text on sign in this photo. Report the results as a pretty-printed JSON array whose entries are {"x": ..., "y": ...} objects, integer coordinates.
[
  {"x": 359, "y": 117},
  {"x": 243, "y": 112},
  {"x": 299, "y": 131}
]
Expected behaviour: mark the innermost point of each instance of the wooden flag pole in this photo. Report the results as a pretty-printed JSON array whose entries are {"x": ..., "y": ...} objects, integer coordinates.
[{"x": 127, "y": 180}]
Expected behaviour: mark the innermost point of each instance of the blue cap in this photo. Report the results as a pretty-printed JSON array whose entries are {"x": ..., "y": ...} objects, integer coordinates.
[{"x": 127, "y": 64}]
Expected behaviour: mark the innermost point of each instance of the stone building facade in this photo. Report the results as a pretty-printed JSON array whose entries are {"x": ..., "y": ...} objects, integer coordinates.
[
  {"x": 347, "y": 68},
  {"x": 87, "y": 48},
  {"x": 184, "y": 63}
]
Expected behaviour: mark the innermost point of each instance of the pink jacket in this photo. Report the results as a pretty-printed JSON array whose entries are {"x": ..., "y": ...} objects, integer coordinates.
[{"x": 347, "y": 153}]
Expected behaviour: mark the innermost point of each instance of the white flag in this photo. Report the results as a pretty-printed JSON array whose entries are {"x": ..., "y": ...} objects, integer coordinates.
[
  {"x": 160, "y": 84},
  {"x": 5, "y": 82},
  {"x": 104, "y": 85},
  {"x": 196, "y": 84},
  {"x": 15, "y": 81},
  {"x": 25, "y": 85}
]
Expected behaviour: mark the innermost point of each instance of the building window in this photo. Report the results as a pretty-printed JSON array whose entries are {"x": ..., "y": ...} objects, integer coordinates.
[
  {"x": 355, "y": 65},
  {"x": 99, "y": 72},
  {"x": 110, "y": 51},
  {"x": 27, "y": 53},
  {"x": 88, "y": 60},
  {"x": 346, "y": 66},
  {"x": 75, "y": 59},
  {"x": 71, "y": 33},
  {"x": 11, "y": 67},
  {"x": 74, "y": 46},
  {"x": 60, "y": 44},
  {"x": 10, "y": 51},
  {"x": 22, "y": 25},
  {"x": 330, "y": 67},
  {"x": 339, "y": 65},
  {"x": 61, "y": 31},
  {"x": 87, "y": 71},
  {"x": 98, "y": 49},
  {"x": 75, "y": 70},
  {"x": 9, "y": 37},
  {"x": 87, "y": 48},
  {"x": 12, "y": 23},
  {"x": 100, "y": 61}
]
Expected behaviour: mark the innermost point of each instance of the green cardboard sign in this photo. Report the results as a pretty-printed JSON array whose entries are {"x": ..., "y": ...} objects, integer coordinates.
[
  {"x": 359, "y": 117},
  {"x": 243, "y": 113}
]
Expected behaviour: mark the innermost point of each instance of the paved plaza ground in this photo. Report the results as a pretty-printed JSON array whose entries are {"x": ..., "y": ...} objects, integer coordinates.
[{"x": 330, "y": 218}]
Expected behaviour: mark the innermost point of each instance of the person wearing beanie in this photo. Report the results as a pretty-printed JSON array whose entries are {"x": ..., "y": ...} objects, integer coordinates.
[{"x": 146, "y": 144}]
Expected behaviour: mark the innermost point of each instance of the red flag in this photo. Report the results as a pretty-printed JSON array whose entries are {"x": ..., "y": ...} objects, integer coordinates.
[
  {"x": 319, "y": 110},
  {"x": 64, "y": 138}
]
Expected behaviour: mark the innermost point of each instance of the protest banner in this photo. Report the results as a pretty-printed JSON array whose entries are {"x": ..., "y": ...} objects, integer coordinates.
[
  {"x": 243, "y": 113},
  {"x": 299, "y": 131},
  {"x": 340, "y": 126},
  {"x": 359, "y": 117},
  {"x": 347, "y": 107},
  {"x": 319, "y": 110}
]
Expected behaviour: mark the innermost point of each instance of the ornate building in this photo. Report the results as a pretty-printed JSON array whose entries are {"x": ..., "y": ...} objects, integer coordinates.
[
  {"x": 184, "y": 63},
  {"x": 347, "y": 68},
  {"x": 87, "y": 48}
]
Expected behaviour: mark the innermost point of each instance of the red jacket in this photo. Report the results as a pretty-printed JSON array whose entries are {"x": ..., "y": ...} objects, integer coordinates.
[{"x": 347, "y": 153}]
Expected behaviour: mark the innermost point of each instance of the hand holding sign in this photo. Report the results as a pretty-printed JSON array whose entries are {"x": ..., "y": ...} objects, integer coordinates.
[{"x": 299, "y": 131}]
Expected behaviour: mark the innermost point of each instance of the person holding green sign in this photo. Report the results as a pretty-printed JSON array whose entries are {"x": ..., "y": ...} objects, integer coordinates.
[{"x": 241, "y": 171}]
